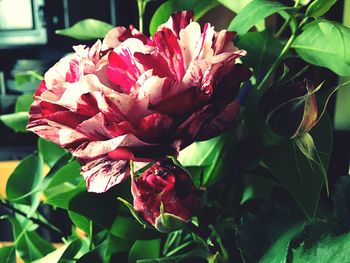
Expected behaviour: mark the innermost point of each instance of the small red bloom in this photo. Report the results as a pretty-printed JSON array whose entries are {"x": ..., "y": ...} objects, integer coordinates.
[{"x": 167, "y": 187}]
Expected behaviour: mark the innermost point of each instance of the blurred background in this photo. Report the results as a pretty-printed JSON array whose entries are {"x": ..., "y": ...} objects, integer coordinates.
[{"x": 28, "y": 43}]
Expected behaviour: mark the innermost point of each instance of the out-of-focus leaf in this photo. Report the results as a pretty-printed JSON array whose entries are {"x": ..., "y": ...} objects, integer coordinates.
[
  {"x": 7, "y": 254},
  {"x": 27, "y": 76},
  {"x": 279, "y": 250},
  {"x": 23, "y": 102},
  {"x": 50, "y": 151},
  {"x": 86, "y": 29},
  {"x": 325, "y": 44},
  {"x": 319, "y": 7},
  {"x": 328, "y": 249},
  {"x": 252, "y": 13},
  {"x": 16, "y": 121},
  {"x": 26, "y": 177},
  {"x": 161, "y": 15},
  {"x": 144, "y": 249},
  {"x": 341, "y": 200}
]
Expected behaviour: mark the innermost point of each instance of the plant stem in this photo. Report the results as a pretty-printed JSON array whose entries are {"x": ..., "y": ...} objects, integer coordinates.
[
  {"x": 278, "y": 60},
  {"x": 91, "y": 244},
  {"x": 37, "y": 221},
  {"x": 141, "y": 6}
]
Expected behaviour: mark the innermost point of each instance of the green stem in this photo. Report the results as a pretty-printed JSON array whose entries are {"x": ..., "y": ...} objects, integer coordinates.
[
  {"x": 141, "y": 6},
  {"x": 276, "y": 63},
  {"x": 91, "y": 244}
]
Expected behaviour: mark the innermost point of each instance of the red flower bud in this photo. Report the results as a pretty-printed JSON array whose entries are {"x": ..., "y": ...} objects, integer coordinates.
[
  {"x": 291, "y": 110},
  {"x": 165, "y": 196}
]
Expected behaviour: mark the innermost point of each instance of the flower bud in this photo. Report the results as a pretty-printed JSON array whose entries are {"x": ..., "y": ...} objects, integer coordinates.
[
  {"x": 165, "y": 196},
  {"x": 291, "y": 110}
]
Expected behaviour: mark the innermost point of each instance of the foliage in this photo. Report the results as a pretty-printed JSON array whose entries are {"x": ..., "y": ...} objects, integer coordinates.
[{"x": 266, "y": 198}]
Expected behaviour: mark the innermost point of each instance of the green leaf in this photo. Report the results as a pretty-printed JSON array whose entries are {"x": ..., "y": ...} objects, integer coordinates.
[
  {"x": 144, "y": 249},
  {"x": 26, "y": 177},
  {"x": 202, "y": 153},
  {"x": 252, "y": 13},
  {"x": 28, "y": 76},
  {"x": 50, "y": 151},
  {"x": 64, "y": 252},
  {"x": 319, "y": 7},
  {"x": 29, "y": 245},
  {"x": 86, "y": 29},
  {"x": 16, "y": 121},
  {"x": 89, "y": 205},
  {"x": 129, "y": 228},
  {"x": 24, "y": 102},
  {"x": 62, "y": 200},
  {"x": 325, "y": 44},
  {"x": 65, "y": 179},
  {"x": 7, "y": 254},
  {"x": 133, "y": 212},
  {"x": 301, "y": 179},
  {"x": 279, "y": 250},
  {"x": 263, "y": 49},
  {"x": 162, "y": 14},
  {"x": 64, "y": 185},
  {"x": 235, "y": 6},
  {"x": 117, "y": 245},
  {"x": 80, "y": 221},
  {"x": 256, "y": 186},
  {"x": 328, "y": 249},
  {"x": 307, "y": 147}
]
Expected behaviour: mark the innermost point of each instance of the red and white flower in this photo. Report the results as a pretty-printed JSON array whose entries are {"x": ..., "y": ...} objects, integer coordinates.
[{"x": 140, "y": 98}]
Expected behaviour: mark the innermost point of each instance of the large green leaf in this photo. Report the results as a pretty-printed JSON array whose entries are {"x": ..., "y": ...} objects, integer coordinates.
[
  {"x": 50, "y": 151},
  {"x": 7, "y": 254},
  {"x": 325, "y": 44},
  {"x": 26, "y": 177},
  {"x": 144, "y": 249},
  {"x": 16, "y": 121},
  {"x": 329, "y": 249},
  {"x": 279, "y": 250},
  {"x": 297, "y": 174},
  {"x": 162, "y": 14},
  {"x": 86, "y": 29},
  {"x": 252, "y": 13},
  {"x": 319, "y": 7}
]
